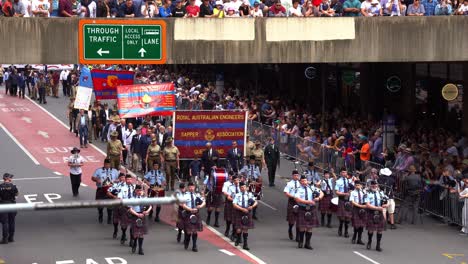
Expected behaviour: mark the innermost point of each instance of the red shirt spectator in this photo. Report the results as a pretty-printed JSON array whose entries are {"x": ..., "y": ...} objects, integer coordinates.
[
  {"x": 7, "y": 9},
  {"x": 192, "y": 9},
  {"x": 277, "y": 10},
  {"x": 65, "y": 8}
]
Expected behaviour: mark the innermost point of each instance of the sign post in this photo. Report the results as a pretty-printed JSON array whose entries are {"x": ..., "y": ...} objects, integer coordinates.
[{"x": 122, "y": 41}]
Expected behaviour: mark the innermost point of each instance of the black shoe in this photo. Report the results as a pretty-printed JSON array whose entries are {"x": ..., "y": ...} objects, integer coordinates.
[
  {"x": 353, "y": 241},
  {"x": 359, "y": 242},
  {"x": 346, "y": 235},
  {"x": 340, "y": 233},
  {"x": 186, "y": 242},
  {"x": 246, "y": 247},
  {"x": 134, "y": 249},
  {"x": 131, "y": 244},
  {"x": 195, "y": 249},
  {"x": 100, "y": 219},
  {"x": 156, "y": 219},
  {"x": 122, "y": 240},
  {"x": 254, "y": 217},
  {"x": 232, "y": 237},
  {"x": 4, "y": 241},
  {"x": 238, "y": 240},
  {"x": 290, "y": 235},
  {"x": 308, "y": 247},
  {"x": 179, "y": 235},
  {"x": 393, "y": 227},
  {"x": 300, "y": 245},
  {"x": 140, "y": 252},
  {"x": 114, "y": 236},
  {"x": 226, "y": 234},
  {"x": 329, "y": 226},
  {"x": 216, "y": 224},
  {"x": 368, "y": 246},
  {"x": 11, "y": 240},
  {"x": 378, "y": 248}
]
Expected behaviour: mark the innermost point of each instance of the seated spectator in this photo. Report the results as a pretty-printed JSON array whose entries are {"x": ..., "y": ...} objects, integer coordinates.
[
  {"x": 77, "y": 9},
  {"x": 244, "y": 10},
  {"x": 102, "y": 9},
  {"x": 137, "y": 4},
  {"x": 277, "y": 10},
  {"x": 463, "y": 9},
  {"x": 65, "y": 8},
  {"x": 309, "y": 10},
  {"x": 429, "y": 7},
  {"x": 19, "y": 8},
  {"x": 127, "y": 9},
  {"x": 41, "y": 8},
  {"x": 393, "y": 8},
  {"x": 205, "y": 9},
  {"x": 371, "y": 8},
  {"x": 256, "y": 10},
  {"x": 234, "y": 4},
  {"x": 295, "y": 10},
  {"x": 218, "y": 11},
  {"x": 443, "y": 9},
  {"x": 337, "y": 7},
  {"x": 192, "y": 9},
  {"x": 416, "y": 9},
  {"x": 325, "y": 9},
  {"x": 7, "y": 9},
  {"x": 89, "y": 7},
  {"x": 179, "y": 9},
  {"x": 165, "y": 9},
  {"x": 232, "y": 12},
  {"x": 351, "y": 8},
  {"x": 149, "y": 9}
]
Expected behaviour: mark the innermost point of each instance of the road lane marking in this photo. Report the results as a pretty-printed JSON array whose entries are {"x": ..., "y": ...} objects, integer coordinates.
[
  {"x": 267, "y": 205},
  {"x": 84, "y": 185},
  {"x": 38, "y": 178},
  {"x": 450, "y": 256},
  {"x": 57, "y": 173},
  {"x": 227, "y": 252},
  {"x": 19, "y": 144},
  {"x": 365, "y": 257},
  {"x": 47, "y": 112},
  {"x": 250, "y": 255}
]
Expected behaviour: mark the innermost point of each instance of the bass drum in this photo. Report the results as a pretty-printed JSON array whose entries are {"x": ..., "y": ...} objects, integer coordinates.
[{"x": 217, "y": 179}]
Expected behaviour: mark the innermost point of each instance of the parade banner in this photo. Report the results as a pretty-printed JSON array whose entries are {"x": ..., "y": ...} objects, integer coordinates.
[
  {"x": 146, "y": 99},
  {"x": 105, "y": 82},
  {"x": 83, "y": 98},
  {"x": 193, "y": 129}
]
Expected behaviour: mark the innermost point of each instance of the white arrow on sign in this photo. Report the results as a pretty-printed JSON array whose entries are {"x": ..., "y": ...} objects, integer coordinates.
[
  {"x": 100, "y": 52},
  {"x": 142, "y": 52},
  {"x": 27, "y": 119},
  {"x": 42, "y": 133}
]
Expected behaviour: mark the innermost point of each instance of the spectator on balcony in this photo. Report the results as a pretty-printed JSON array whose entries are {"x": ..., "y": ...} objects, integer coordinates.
[
  {"x": 127, "y": 9},
  {"x": 295, "y": 11},
  {"x": 192, "y": 9},
  {"x": 205, "y": 9},
  {"x": 429, "y": 7},
  {"x": 443, "y": 9},
  {"x": 54, "y": 12},
  {"x": 325, "y": 9},
  {"x": 41, "y": 8},
  {"x": 102, "y": 10},
  {"x": 309, "y": 10},
  {"x": 231, "y": 13},
  {"x": 165, "y": 9},
  {"x": 7, "y": 9},
  {"x": 277, "y": 10},
  {"x": 365, "y": 8},
  {"x": 149, "y": 9},
  {"x": 19, "y": 8},
  {"x": 463, "y": 9},
  {"x": 235, "y": 4},
  {"x": 179, "y": 9},
  {"x": 337, "y": 7},
  {"x": 137, "y": 7},
  {"x": 218, "y": 11},
  {"x": 391, "y": 7},
  {"x": 416, "y": 9},
  {"x": 244, "y": 9},
  {"x": 256, "y": 10}
]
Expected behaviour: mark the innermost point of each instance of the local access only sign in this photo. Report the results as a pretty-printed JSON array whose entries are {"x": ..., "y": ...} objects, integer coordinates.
[{"x": 122, "y": 41}]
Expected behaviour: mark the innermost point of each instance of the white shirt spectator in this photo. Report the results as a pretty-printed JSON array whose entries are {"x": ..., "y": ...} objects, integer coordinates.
[
  {"x": 92, "y": 9},
  {"x": 234, "y": 4},
  {"x": 463, "y": 8},
  {"x": 287, "y": 4},
  {"x": 64, "y": 75},
  {"x": 295, "y": 11},
  {"x": 128, "y": 137},
  {"x": 256, "y": 13},
  {"x": 75, "y": 170},
  {"x": 27, "y": 6},
  {"x": 40, "y": 5}
]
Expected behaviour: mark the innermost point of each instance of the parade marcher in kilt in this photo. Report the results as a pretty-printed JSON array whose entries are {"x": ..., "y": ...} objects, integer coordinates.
[
  {"x": 104, "y": 177},
  {"x": 359, "y": 221},
  {"x": 343, "y": 188},
  {"x": 157, "y": 182},
  {"x": 376, "y": 202},
  {"x": 214, "y": 202},
  {"x": 327, "y": 187},
  {"x": 179, "y": 219},
  {"x": 306, "y": 197},
  {"x": 290, "y": 191},
  {"x": 191, "y": 215},
  {"x": 243, "y": 204},
  {"x": 139, "y": 228},
  {"x": 251, "y": 172},
  {"x": 210, "y": 160},
  {"x": 228, "y": 202},
  {"x": 119, "y": 214}
]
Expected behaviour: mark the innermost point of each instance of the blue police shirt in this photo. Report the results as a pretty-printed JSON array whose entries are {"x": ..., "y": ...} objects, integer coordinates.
[
  {"x": 104, "y": 174},
  {"x": 155, "y": 177},
  {"x": 342, "y": 185},
  {"x": 358, "y": 196},
  {"x": 291, "y": 187},
  {"x": 137, "y": 208},
  {"x": 252, "y": 171},
  {"x": 374, "y": 198},
  {"x": 191, "y": 199},
  {"x": 242, "y": 199}
]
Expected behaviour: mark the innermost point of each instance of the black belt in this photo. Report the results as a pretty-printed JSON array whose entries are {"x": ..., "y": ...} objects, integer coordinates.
[{"x": 170, "y": 160}]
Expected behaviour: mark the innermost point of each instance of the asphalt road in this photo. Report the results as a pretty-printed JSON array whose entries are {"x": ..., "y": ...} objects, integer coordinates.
[{"x": 50, "y": 237}]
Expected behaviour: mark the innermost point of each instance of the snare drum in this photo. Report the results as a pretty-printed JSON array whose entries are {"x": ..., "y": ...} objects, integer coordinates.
[
  {"x": 334, "y": 204},
  {"x": 157, "y": 192},
  {"x": 217, "y": 179}
]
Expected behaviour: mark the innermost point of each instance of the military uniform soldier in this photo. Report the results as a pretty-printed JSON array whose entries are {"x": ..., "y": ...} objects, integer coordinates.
[
  {"x": 104, "y": 177},
  {"x": 358, "y": 200},
  {"x": 290, "y": 191},
  {"x": 114, "y": 150},
  {"x": 154, "y": 154},
  {"x": 8, "y": 193},
  {"x": 272, "y": 159},
  {"x": 171, "y": 162},
  {"x": 259, "y": 155},
  {"x": 243, "y": 204},
  {"x": 307, "y": 197},
  {"x": 249, "y": 146}
]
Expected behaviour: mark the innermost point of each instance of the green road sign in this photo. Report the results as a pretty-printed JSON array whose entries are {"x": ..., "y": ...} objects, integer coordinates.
[{"x": 120, "y": 41}]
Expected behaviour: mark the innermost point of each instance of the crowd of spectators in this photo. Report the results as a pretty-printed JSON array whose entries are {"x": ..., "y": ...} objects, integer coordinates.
[{"x": 229, "y": 8}]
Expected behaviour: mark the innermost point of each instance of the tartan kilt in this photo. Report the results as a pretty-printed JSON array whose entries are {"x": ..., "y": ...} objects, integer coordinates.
[
  {"x": 342, "y": 212},
  {"x": 324, "y": 204},
  {"x": 237, "y": 221},
  {"x": 138, "y": 231},
  {"x": 228, "y": 211},
  {"x": 291, "y": 217},
  {"x": 357, "y": 220},
  {"x": 101, "y": 194},
  {"x": 180, "y": 220},
  {"x": 214, "y": 200},
  {"x": 375, "y": 227},
  {"x": 301, "y": 222},
  {"x": 120, "y": 215},
  {"x": 192, "y": 228}
]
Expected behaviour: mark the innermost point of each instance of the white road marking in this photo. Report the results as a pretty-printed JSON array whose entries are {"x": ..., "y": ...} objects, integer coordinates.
[
  {"x": 38, "y": 178},
  {"x": 57, "y": 173},
  {"x": 19, "y": 144},
  {"x": 252, "y": 256},
  {"x": 84, "y": 185},
  {"x": 366, "y": 257},
  {"x": 227, "y": 252},
  {"x": 267, "y": 205}
]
